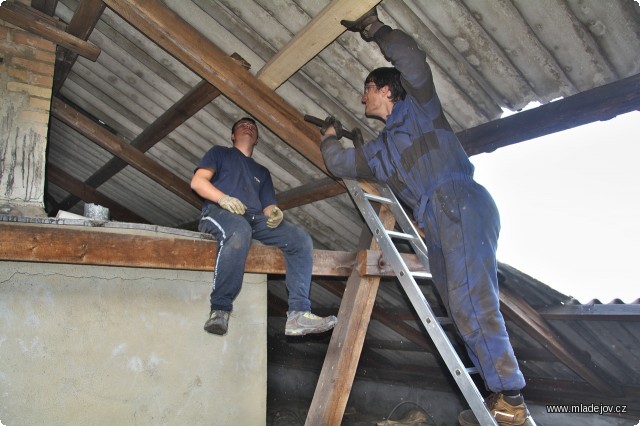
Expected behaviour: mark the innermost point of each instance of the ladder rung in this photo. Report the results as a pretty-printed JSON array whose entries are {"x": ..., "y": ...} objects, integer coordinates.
[
  {"x": 433, "y": 324},
  {"x": 394, "y": 234},
  {"x": 444, "y": 320},
  {"x": 422, "y": 274},
  {"x": 378, "y": 198}
]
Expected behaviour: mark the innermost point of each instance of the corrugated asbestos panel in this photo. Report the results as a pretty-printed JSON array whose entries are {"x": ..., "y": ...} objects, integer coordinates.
[{"x": 485, "y": 55}]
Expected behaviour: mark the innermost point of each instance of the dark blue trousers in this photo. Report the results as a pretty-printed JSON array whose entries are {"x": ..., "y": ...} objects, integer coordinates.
[
  {"x": 234, "y": 233},
  {"x": 461, "y": 225}
]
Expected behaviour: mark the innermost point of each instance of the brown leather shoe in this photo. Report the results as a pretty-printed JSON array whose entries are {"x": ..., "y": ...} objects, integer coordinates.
[{"x": 506, "y": 414}]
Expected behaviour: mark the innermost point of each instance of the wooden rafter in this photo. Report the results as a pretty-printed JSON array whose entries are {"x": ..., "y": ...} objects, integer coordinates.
[
  {"x": 118, "y": 147},
  {"x": 318, "y": 34},
  {"x": 85, "y": 192},
  {"x": 181, "y": 40},
  {"x": 601, "y": 103},
  {"x": 46, "y": 30},
  {"x": 84, "y": 20},
  {"x": 192, "y": 102},
  {"x": 521, "y": 313}
]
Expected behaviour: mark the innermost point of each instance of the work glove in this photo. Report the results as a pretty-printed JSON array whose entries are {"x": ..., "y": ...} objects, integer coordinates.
[
  {"x": 358, "y": 140},
  {"x": 366, "y": 25},
  {"x": 232, "y": 204},
  {"x": 275, "y": 217},
  {"x": 331, "y": 121}
]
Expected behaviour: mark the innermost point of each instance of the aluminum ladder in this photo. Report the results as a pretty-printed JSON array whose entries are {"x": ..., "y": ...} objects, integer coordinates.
[{"x": 431, "y": 323}]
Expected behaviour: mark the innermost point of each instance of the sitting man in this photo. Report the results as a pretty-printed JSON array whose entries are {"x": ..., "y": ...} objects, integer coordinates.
[{"x": 239, "y": 205}]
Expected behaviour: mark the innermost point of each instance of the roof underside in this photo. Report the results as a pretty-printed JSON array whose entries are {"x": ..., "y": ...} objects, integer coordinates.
[{"x": 486, "y": 56}]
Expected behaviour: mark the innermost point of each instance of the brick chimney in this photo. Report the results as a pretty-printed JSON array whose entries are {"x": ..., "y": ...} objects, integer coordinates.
[{"x": 26, "y": 77}]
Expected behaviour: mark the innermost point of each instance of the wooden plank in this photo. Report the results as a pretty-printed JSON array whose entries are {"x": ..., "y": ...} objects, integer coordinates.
[
  {"x": 318, "y": 34},
  {"x": 521, "y": 313},
  {"x": 49, "y": 32},
  {"x": 371, "y": 262},
  {"x": 340, "y": 364},
  {"x": 34, "y": 12},
  {"x": 82, "y": 23},
  {"x": 118, "y": 147},
  {"x": 308, "y": 193},
  {"x": 85, "y": 192},
  {"x": 108, "y": 247},
  {"x": 181, "y": 40}
]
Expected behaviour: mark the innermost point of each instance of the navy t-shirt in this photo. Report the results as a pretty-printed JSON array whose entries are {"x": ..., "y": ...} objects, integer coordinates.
[{"x": 239, "y": 176}]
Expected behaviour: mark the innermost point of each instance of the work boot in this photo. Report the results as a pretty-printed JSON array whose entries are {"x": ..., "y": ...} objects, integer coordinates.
[
  {"x": 414, "y": 417},
  {"x": 300, "y": 323},
  {"x": 507, "y": 410},
  {"x": 218, "y": 322}
]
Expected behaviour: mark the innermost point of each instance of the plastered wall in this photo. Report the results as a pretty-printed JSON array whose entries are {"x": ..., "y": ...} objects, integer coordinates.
[{"x": 106, "y": 346}]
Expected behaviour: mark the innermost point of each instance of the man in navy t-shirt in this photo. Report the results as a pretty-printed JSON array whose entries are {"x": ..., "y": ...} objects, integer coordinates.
[{"x": 240, "y": 205}]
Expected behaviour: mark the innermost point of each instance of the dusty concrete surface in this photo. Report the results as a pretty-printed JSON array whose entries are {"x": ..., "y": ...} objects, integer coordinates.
[{"x": 106, "y": 345}]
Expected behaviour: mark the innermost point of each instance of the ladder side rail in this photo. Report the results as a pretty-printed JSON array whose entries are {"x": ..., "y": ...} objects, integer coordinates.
[
  {"x": 407, "y": 226},
  {"x": 420, "y": 304}
]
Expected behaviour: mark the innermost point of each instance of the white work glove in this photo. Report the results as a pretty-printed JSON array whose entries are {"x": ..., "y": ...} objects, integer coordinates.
[
  {"x": 275, "y": 217},
  {"x": 232, "y": 204}
]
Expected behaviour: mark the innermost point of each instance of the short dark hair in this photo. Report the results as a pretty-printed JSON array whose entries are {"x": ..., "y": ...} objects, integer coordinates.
[
  {"x": 387, "y": 76},
  {"x": 242, "y": 120}
]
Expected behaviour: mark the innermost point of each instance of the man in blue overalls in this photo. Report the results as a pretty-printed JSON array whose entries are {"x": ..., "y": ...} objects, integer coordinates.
[
  {"x": 419, "y": 156},
  {"x": 240, "y": 205}
]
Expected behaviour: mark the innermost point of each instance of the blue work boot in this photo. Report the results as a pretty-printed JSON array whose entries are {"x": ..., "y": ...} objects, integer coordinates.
[
  {"x": 300, "y": 323},
  {"x": 218, "y": 322}
]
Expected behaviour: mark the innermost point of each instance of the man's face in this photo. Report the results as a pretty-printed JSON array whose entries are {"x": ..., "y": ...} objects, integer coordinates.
[
  {"x": 245, "y": 129},
  {"x": 375, "y": 100}
]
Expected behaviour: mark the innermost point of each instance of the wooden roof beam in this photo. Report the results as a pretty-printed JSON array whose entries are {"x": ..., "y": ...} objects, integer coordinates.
[
  {"x": 118, "y": 147},
  {"x": 253, "y": 95},
  {"x": 598, "y": 104},
  {"x": 601, "y": 103},
  {"x": 86, "y": 246},
  {"x": 308, "y": 193},
  {"x": 521, "y": 313},
  {"x": 308, "y": 43},
  {"x": 191, "y": 102},
  {"x": 82, "y": 23},
  {"x": 42, "y": 27},
  {"x": 84, "y": 192},
  {"x": 177, "y": 37}
]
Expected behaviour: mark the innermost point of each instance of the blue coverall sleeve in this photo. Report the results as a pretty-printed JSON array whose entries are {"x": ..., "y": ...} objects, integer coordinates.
[
  {"x": 403, "y": 52},
  {"x": 344, "y": 162}
]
